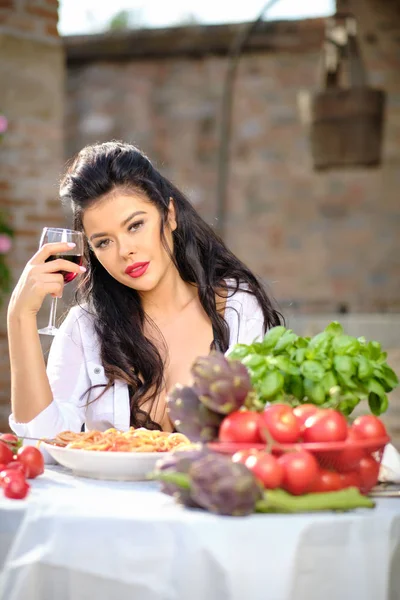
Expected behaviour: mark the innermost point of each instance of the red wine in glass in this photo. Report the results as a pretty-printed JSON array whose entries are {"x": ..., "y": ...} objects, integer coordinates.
[
  {"x": 51, "y": 235},
  {"x": 74, "y": 258}
]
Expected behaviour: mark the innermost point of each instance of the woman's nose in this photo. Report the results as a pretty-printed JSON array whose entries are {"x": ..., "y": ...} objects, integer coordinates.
[{"x": 126, "y": 248}]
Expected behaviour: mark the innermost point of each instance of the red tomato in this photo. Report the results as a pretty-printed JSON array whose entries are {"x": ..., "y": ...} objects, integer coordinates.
[
  {"x": 15, "y": 465},
  {"x": 300, "y": 469},
  {"x": 351, "y": 479},
  {"x": 6, "y": 454},
  {"x": 241, "y": 426},
  {"x": 303, "y": 411},
  {"x": 368, "y": 470},
  {"x": 32, "y": 459},
  {"x": 349, "y": 458},
  {"x": 266, "y": 469},
  {"x": 242, "y": 455},
  {"x": 11, "y": 440},
  {"x": 369, "y": 427},
  {"x": 327, "y": 425},
  {"x": 15, "y": 486},
  {"x": 281, "y": 423},
  {"x": 326, "y": 481}
]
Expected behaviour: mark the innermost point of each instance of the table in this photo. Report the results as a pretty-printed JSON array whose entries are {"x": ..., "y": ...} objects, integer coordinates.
[{"x": 81, "y": 539}]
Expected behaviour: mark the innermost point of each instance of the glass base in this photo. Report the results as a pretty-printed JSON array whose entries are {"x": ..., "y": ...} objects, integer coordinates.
[{"x": 48, "y": 331}]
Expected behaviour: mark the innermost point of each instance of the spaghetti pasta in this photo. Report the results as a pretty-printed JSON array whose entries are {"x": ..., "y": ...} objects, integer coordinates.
[{"x": 133, "y": 440}]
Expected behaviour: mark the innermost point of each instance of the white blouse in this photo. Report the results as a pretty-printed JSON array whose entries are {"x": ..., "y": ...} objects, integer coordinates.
[{"x": 74, "y": 366}]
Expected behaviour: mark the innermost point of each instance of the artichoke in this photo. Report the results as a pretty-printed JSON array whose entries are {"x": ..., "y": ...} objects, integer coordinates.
[
  {"x": 221, "y": 486},
  {"x": 190, "y": 416},
  {"x": 178, "y": 462},
  {"x": 222, "y": 385}
]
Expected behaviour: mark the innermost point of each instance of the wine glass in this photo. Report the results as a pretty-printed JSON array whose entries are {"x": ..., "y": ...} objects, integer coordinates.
[{"x": 58, "y": 235}]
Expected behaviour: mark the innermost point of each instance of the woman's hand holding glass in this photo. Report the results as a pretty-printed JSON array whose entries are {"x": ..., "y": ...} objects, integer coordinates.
[{"x": 46, "y": 273}]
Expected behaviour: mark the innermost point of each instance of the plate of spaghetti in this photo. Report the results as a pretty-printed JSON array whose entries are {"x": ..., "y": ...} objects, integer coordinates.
[{"x": 118, "y": 455}]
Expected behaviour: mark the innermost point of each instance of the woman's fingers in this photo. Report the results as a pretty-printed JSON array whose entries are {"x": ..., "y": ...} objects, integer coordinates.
[
  {"x": 48, "y": 250},
  {"x": 60, "y": 264}
]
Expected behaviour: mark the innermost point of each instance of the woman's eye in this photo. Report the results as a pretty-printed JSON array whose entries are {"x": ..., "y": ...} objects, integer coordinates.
[
  {"x": 103, "y": 244},
  {"x": 135, "y": 226}
]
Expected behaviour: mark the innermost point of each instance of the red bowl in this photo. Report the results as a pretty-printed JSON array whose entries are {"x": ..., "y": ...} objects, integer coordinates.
[{"x": 343, "y": 457}]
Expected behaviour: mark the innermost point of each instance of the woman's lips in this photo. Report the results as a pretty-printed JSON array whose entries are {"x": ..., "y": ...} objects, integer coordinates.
[{"x": 137, "y": 269}]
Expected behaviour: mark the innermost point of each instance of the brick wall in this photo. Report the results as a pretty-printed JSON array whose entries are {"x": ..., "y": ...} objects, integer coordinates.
[
  {"x": 31, "y": 153},
  {"x": 325, "y": 241}
]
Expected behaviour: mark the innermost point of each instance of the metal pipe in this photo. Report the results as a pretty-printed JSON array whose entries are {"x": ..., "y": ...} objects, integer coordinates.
[{"x": 226, "y": 114}]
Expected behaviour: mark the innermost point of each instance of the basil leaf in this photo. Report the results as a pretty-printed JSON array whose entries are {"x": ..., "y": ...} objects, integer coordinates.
[
  {"x": 390, "y": 377},
  {"x": 375, "y": 387},
  {"x": 345, "y": 365},
  {"x": 271, "y": 384},
  {"x": 300, "y": 355},
  {"x": 374, "y": 350},
  {"x": 329, "y": 381},
  {"x": 312, "y": 370},
  {"x": 285, "y": 365},
  {"x": 345, "y": 344},
  {"x": 296, "y": 387},
  {"x": 334, "y": 328},
  {"x": 314, "y": 391},
  {"x": 286, "y": 340},
  {"x": 259, "y": 373},
  {"x": 272, "y": 336},
  {"x": 239, "y": 351},
  {"x": 365, "y": 369},
  {"x": 378, "y": 404},
  {"x": 253, "y": 361},
  {"x": 321, "y": 343}
]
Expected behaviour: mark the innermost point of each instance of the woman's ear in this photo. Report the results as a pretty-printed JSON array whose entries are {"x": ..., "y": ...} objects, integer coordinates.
[{"x": 172, "y": 215}]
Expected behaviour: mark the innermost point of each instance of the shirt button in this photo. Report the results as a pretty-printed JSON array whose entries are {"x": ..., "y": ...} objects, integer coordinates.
[{"x": 97, "y": 370}]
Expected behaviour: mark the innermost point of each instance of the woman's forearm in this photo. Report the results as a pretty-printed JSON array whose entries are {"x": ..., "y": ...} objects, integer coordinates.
[{"x": 30, "y": 388}]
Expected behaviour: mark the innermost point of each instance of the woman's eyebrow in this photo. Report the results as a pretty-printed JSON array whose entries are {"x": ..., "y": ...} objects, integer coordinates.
[{"x": 124, "y": 222}]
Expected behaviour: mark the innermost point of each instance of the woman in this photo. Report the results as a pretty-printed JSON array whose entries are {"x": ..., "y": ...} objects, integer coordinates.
[{"x": 160, "y": 288}]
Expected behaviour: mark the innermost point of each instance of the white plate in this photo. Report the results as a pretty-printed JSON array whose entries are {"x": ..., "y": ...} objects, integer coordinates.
[{"x": 97, "y": 464}]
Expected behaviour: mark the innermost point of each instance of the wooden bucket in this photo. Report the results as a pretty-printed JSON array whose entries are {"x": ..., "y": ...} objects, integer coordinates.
[{"x": 346, "y": 122}]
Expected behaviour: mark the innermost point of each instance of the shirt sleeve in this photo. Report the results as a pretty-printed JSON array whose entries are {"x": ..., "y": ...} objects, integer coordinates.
[
  {"x": 245, "y": 318},
  {"x": 68, "y": 379}
]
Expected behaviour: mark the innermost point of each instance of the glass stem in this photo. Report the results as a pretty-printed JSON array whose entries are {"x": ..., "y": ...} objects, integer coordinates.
[{"x": 53, "y": 311}]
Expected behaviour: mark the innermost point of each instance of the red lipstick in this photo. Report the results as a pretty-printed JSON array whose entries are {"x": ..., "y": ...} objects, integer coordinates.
[{"x": 137, "y": 269}]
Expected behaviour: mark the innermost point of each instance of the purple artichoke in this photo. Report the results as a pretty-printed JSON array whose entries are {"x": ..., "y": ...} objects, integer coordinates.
[
  {"x": 190, "y": 416},
  {"x": 221, "y": 486},
  {"x": 179, "y": 462},
  {"x": 222, "y": 385}
]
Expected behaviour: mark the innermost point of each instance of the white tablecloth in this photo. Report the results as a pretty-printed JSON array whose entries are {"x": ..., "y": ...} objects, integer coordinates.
[{"x": 78, "y": 539}]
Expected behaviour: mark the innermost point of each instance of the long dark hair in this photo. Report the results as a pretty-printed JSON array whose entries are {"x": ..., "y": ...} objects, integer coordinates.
[{"x": 199, "y": 255}]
